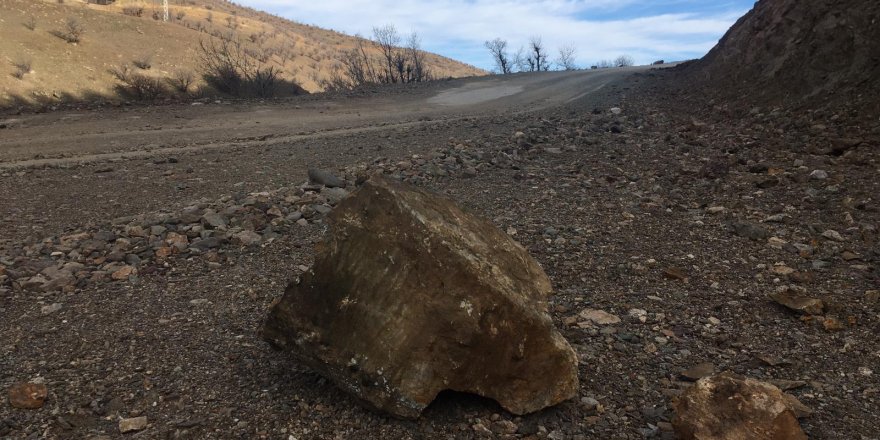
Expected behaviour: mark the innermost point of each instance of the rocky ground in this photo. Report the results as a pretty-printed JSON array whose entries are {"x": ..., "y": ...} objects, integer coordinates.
[{"x": 665, "y": 226}]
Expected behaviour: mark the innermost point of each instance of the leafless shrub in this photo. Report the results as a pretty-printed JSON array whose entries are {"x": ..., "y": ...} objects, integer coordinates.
[
  {"x": 565, "y": 60},
  {"x": 137, "y": 85},
  {"x": 31, "y": 23},
  {"x": 210, "y": 17},
  {"x": 624, "y": 61},
  {"x": 73, "y": 31},
  {"x": 181, "y": 80},
  {"x": 134, "y": 11},
  {"x": 264, "y": 81},
  {"x": 22, "y": 68},
  {"x": 605, "y": 64},
  {"x": 180, "y": 15},
  {"x": 228, "y": 68},
  {"x": 143, "y": 62}
]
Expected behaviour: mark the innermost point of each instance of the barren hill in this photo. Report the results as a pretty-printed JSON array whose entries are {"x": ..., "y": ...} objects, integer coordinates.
[
  {"x": 799, "y": 52},
  {"x": 37, "y": 64}
]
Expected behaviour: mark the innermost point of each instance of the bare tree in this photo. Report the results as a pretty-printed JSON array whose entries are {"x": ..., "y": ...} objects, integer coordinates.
[
  {"x": 537, "y": 59},
  {"x": 565, "y": 60},
  {"x": 498, "y": 49},
  {"x": 388, "y": 40},
  {"x": 624, "y": 61},
  {"x": 417, "y": 70},
  {"x": 358, "y": 67},
  {"x": 605, "y": 64},
  {"x": 520, "y": 60}
]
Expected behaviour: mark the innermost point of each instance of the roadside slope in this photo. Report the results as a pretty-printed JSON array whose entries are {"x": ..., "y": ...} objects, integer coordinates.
[{"x": 115, "y": 36}]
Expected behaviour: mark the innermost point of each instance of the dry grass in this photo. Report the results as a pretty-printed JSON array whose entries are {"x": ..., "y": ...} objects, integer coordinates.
[{"x": 297, "y": 53}]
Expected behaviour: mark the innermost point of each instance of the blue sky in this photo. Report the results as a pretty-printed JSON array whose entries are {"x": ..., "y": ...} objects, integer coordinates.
[{"x": 647, "y": 30}]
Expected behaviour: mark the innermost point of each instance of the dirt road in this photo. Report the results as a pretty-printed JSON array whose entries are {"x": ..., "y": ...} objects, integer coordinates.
[{"x": 64, "y": 137}]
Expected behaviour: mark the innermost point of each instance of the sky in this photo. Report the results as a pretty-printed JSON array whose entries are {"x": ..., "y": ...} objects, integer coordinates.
[{"x": 646, "y": 30}]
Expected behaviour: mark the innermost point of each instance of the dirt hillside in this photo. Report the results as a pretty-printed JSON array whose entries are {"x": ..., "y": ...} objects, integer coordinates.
[
  {"x": 799, "y": 52},
  {"x": 38, "y": 65}
]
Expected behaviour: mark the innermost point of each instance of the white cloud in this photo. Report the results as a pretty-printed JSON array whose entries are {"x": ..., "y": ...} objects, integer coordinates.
[{"x": 457, "y": 28}]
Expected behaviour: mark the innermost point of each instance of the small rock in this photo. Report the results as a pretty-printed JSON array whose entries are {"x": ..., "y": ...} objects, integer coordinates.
[
  {"x": 133, "y": 424},
  {"x": 832, "y": 324},
  {"x": 50, "y": 309},
  {"x": 751, "y": 231},
  {"x": 675, "y": 273},
  {"x": 831, "y": 234},
  {"x": 326, "y": 178},
  {"x": 818, "y": 175},
  {"x": 616, "y": 110},
  {"x": 247, "y": 238},
  {"x": 505, "y": 427},
  {"x": 716, "y": 209},
  {"x": 798, "y": 302},
  {"x": 599, "y": 317},
  {"x": 124, "y": 273},
  {"x": 699, "y": 371},
  {"x": 215, "y": 220},
  {"x": 28, "y": 395}
]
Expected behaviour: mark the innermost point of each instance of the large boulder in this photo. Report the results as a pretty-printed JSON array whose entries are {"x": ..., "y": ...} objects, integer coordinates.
[
  {"x": 729, "y": 407},
  {"x": 410, "y": 296}
]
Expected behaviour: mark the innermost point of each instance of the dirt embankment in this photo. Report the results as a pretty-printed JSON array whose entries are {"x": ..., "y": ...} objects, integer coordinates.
[{"x": 802, "y": 53}]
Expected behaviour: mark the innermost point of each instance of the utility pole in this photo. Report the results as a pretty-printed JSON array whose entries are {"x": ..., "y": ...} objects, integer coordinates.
[{"x": 165, "y": 10}]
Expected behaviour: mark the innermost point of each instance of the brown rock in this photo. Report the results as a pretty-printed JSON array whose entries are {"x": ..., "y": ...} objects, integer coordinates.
[
  {"x": 410, "y": 296},
  {"x": 133, "y": 424},
  {"x": 28, "y": 395},
  {"x": 727, "y": 407},
  {"x": 799, "y": 303},
  {"x": 124, "y": 273},
  {"x": 599, "y": 317},
  {"x": 675, "y": 273}
]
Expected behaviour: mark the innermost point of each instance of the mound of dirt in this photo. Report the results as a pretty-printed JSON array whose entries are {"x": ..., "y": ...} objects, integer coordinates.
[{"x": 799, "y": 53}]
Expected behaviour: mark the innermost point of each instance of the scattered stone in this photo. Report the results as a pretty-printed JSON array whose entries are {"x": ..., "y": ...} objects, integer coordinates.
[
  {"x": 50, "y": 309},
  {"x": 699, "y": 371},
  {"x": 716, "y": 210},
  {"x": 124, "y": 273},
  {"x": 215, "y": 220},
  {"x": 247, "y": 238},
  {"x": 727, "y": 407},
  {"x": 818, "y": 175},
  {"x": 616, "y": 110},
  {"x": 133, "y": 424},
  {"x": 599, "y": 317},
  {"x": 478, "y": 323},
  {"x": 326, "y": 178},
  {"x": 833, "y": 235},
  {"x": 675, "y": 273},
  {"x": 751, "y": 231},
  {"x": 832, "y": 324},
  {"x": 798, "y": 302},
  {"x": 850, "y": 256},
  {"x": 28, "y": 395}
]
